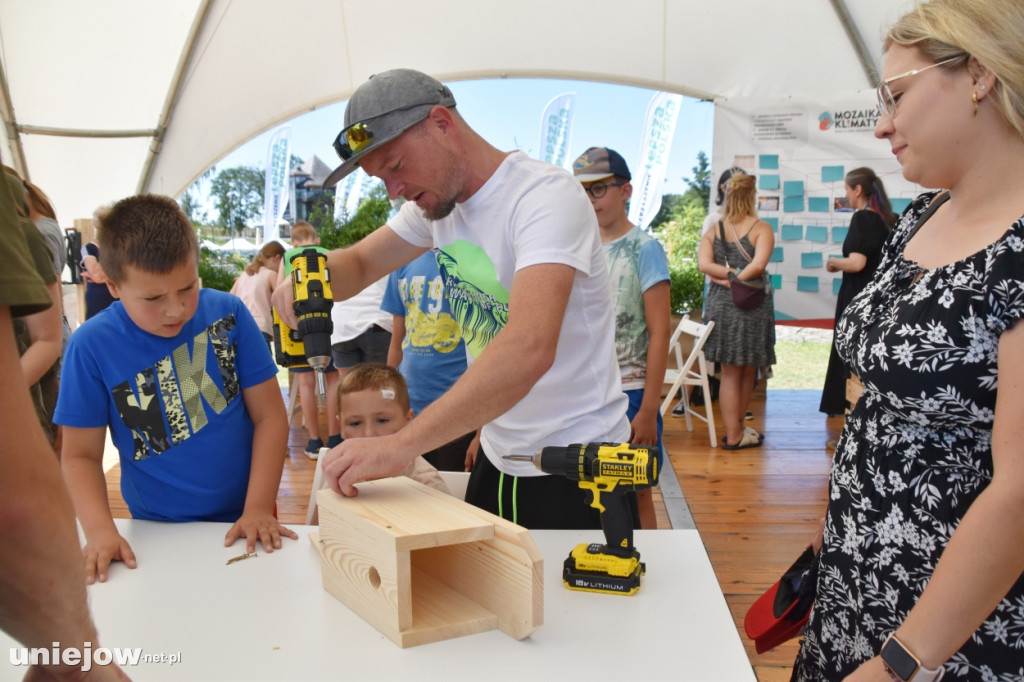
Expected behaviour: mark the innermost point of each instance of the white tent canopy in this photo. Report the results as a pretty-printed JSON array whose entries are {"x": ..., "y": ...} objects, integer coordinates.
[{"x": 104, "y": 98}]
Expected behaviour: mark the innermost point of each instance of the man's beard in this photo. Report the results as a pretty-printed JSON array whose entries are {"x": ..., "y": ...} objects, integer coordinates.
[
  {"x": 440, "y": 210},
  {"x": 447, "y": 194}
]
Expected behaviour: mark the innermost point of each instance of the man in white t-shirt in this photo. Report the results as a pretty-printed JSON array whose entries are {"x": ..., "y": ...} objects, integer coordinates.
[{"x": 519, "y": 252}]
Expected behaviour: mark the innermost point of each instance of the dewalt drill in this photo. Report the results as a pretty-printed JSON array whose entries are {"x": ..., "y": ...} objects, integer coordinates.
[
  {"x": 311, "y": 342},
  {"x": 611, "y": 469}
]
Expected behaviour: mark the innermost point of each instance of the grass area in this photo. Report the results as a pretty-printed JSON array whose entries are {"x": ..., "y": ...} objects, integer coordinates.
[{"x": 801, "y": 364}]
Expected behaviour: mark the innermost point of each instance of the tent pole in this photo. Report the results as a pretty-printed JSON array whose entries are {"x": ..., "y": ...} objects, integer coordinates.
[
  {"x": 13, "y": 136},
  {"x": 173, "y": 94},
  {"x": 857, "y": 42}
]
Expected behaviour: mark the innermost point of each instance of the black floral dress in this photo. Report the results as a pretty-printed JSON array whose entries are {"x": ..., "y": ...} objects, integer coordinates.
[{"x": 915, "y": 452}]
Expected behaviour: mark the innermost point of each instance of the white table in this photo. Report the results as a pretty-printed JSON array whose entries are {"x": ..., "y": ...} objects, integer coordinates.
[{"x": 269, "y": 618}]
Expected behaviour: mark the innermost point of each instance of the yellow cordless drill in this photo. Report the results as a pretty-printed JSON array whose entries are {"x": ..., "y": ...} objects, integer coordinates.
[
  {"x": 311, "y": 342},
  {"x": 611, "y": 469}
]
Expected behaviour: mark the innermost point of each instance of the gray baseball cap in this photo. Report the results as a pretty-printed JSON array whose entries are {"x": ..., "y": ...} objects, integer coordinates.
[{"x": 383, "y": 108}]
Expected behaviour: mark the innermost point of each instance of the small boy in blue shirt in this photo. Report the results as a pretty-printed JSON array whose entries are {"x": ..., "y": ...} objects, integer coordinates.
[{"x": 183, "y": 378}]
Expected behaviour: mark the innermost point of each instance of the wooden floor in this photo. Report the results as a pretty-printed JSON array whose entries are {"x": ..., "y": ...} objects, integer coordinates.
[{"x": 755, "y": 509}]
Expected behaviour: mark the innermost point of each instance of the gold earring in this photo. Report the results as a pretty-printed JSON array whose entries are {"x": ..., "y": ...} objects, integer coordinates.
[{"x": 974, "y": 98}]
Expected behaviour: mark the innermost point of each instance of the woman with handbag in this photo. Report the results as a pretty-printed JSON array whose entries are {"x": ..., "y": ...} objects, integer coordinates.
[{"x": 734, "y": 256}]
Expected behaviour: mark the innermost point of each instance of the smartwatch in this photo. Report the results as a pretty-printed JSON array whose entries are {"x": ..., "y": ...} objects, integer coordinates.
[{"x": 905, "y": 666}]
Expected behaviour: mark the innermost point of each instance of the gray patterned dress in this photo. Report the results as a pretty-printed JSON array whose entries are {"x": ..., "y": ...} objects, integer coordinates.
[
  {"x": 743, "y": 338},
  {"x": 915, "y": 453}
]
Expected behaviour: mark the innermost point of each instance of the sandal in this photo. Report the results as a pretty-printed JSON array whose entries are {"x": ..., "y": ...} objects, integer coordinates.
[
  {"x": 749, "y": 440},
  {"x": 752, "y": 432}
]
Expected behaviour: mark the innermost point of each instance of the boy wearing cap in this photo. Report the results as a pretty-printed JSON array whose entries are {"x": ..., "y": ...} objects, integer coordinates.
[
  {"x": 639, "y": 281},
  {"x": 518, "y": 249}
]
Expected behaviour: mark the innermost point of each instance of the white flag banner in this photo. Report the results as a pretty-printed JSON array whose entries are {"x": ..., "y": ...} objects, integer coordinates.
[
  {"x": 275, "y": 196},
  {"x": 659, "y": 127},
  {"x": 556, "y": 130},
  {"x": 341, "y": 193},
  {"x": 355, "y": 192}
]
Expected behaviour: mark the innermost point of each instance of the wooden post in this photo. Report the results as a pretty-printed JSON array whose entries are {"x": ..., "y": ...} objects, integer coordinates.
[{"x": 422, "y": 566}]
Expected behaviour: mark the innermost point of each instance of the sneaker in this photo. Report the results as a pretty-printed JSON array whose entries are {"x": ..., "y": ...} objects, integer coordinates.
[
  {"x": 334, "y": 441},
  {"x": 750, "y": 415},
  {"x": 680, "y": 409},
  {"x": 313, "y": 448}
]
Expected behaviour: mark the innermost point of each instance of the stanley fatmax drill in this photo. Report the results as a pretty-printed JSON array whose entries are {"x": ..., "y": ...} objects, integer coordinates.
[
  {"x": 311, "y": 342},
  {"x": 611, "y": 469}
]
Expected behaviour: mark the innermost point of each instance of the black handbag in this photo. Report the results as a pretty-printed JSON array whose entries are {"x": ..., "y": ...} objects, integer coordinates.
[{"x": 747, "y": 294}]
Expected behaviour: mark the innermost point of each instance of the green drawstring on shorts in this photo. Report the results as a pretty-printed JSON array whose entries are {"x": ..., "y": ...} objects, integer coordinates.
[{"x": 515, "y": 497}]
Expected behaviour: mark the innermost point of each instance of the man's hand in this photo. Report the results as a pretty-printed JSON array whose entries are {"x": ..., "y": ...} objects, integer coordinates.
[
  {"x": 261, "y": 527},
  {"x": 282, "y": 300},
  {"x": 99, "y": 551},
  {"x": 363, "y": 459}
]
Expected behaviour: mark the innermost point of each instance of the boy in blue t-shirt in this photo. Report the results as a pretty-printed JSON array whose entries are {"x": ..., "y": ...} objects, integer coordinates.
[
  {"x": 640, "y": 289},
  {"x": 187, "y": 386}
]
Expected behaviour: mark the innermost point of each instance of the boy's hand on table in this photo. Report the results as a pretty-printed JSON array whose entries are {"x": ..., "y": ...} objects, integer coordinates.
[
  {"x": 258, "y": 527},
  {"x": 100, "y": 550}
]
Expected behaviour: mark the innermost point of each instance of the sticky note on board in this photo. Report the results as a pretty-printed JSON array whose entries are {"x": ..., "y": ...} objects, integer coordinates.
[
  {"x": 792, "y": 232},
  {"x": 768, "y": 161},
  {"x": 776, "y": 281},
  {"x": 836, "y": 284},
  {"x": 805, "y": 283},
  {"x": 818, "y": 204},
  {"x": 777, "y": 254},
  {"x": 816, "y": 233},
  {"x": 839, "y": 234},
  {"x": 774, "y": 222},
  {"x": 793, "y": 204},
  {"x": 810, "y": 260},
  {"x": 768, "y": 182},
  {"x": 832, "y": 174},
  {"x": 792, "y": 188},
  {"x": 899, "y": 205}
]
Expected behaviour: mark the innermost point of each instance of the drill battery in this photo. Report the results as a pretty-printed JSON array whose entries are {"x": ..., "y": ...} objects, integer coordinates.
[{"x": 591, "y": 568}]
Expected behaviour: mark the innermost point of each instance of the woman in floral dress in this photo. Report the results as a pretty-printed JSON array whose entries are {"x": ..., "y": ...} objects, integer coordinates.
[{"x": 924, "y": 535}]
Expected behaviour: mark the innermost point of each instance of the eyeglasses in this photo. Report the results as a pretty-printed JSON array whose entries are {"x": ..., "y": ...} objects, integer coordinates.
[
  {"x": 886, "y": 100},
  {"x": 598, "y": 189},
  {"x": 353, "y": 140}
]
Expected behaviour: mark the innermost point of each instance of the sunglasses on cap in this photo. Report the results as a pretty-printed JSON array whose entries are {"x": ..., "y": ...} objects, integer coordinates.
[
  {"x": 357, "y": 137},
  {"x": 353, "y": 140}
]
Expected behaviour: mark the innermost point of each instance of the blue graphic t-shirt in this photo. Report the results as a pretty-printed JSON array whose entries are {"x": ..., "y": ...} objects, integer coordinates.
[
  {"x": 174, "y": 405},
  {"x": 433, "y": 354}
]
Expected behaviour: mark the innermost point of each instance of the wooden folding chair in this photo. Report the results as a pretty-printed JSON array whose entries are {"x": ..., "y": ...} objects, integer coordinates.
[{"x": 693, "y": 371}]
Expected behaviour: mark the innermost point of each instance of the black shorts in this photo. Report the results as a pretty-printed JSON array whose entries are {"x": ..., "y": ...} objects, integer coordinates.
[{"x": 531, "y": 501}]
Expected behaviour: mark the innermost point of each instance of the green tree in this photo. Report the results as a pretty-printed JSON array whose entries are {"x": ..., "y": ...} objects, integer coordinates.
[
  {"x": 670, "y": 204},
  {"x": 238, "y": 197},
  {"x": 680, "y": 237},
  {"x": 373, "y": 211},
  {"x": 700, "y": 185}
]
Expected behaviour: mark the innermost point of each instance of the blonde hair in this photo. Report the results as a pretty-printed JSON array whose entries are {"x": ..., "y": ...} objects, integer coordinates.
[
  {"x": 376, "y": 377},
  {"x": 988, "y": 30},
  {"x": 269, "y": 250},
  {"x": 303, "y": 231},
  {"x": 740, "y": 197}
]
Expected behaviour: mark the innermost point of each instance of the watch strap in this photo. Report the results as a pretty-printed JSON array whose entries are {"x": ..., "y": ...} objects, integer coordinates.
[{"x": 903, "y": 665}]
